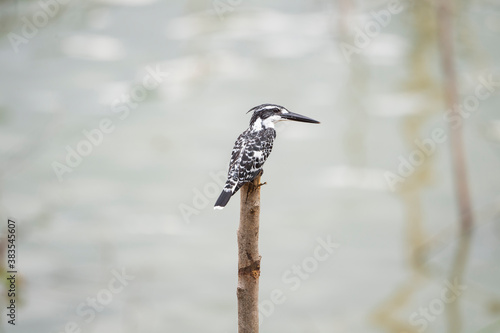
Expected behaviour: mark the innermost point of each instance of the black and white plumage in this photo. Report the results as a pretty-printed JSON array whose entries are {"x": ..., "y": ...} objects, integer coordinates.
[{"x": 252, "y": 148}]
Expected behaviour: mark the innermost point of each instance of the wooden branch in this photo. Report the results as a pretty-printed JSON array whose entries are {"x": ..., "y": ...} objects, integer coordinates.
[{"x": 249, "y": 258}]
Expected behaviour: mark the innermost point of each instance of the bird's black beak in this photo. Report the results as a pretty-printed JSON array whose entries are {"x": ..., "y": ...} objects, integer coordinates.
[{"x": 298, "y": 117}]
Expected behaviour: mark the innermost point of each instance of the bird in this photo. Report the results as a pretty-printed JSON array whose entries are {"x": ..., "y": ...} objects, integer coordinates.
[{"x": 253, "y": 146}]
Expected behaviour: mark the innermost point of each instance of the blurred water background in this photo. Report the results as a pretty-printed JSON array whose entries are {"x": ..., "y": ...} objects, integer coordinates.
[{"x": 162, "y": 87}]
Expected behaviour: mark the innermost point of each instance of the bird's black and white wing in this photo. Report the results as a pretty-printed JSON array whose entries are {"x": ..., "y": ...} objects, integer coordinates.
[
  {"x": 251, "y": 150},
  {"x": 255, "y": 155}
]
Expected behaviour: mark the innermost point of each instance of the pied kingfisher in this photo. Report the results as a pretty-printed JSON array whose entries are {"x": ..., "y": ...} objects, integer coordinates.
[{"x": 253, "y": 146}]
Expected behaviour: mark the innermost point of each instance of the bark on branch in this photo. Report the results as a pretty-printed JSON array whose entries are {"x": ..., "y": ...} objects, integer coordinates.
[{"x": 249, "y": 258}]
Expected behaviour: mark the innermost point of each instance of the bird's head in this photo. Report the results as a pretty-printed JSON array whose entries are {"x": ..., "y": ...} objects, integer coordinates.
[{"x": 266, "y": 115}]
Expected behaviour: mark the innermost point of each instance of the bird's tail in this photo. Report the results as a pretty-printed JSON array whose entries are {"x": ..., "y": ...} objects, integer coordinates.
[{"x": 223, "y": 198}]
